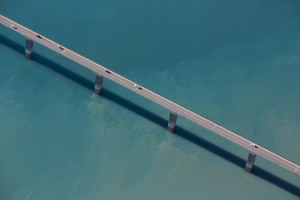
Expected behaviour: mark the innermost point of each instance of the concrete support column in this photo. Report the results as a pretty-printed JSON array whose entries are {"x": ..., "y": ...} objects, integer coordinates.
[
  {"x": 98, "y": 84},
  {"x": 28, "y": 48},
  {"x": 250, "y": 162},
  {"x": 172, "y": 122}
]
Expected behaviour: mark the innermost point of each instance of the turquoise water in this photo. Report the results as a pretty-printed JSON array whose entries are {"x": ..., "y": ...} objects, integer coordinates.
[{"x": 234, "y": 62}]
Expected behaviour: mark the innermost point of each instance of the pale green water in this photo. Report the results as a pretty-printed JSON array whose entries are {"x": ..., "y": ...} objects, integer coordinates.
[{"x": 235, "y": 62}]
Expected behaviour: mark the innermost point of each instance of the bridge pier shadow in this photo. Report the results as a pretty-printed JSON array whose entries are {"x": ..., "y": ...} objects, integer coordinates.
[{"x": 163, "y": 122}]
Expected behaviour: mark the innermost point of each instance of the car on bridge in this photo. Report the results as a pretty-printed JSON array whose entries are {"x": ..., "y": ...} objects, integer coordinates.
[
  {"x": 137, "y": 86},
  {"x": 14, "y": 27},
  {"x": 60, "y": 47}
]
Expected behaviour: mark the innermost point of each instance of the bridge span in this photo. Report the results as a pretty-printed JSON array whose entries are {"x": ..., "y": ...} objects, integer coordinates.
[{"x": 175, "y": 109}]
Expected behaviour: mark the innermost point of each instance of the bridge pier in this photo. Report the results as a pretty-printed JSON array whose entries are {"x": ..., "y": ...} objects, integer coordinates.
[
  {"x": 28, "y": 48},
  {"x": 172, "y": 122},
  {"x": 250, "y": 162},
  {"x": 98, "y": 84}
]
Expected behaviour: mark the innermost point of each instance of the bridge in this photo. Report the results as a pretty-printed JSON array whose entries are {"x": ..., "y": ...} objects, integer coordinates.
[{"x": 175, "y": 109}]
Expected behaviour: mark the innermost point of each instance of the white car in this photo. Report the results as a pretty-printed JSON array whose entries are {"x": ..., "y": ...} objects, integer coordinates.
[
  {"x": 254, "y": 145},
  {"x": 137, "y": 86},
  {"x": 13, "y": 26}
]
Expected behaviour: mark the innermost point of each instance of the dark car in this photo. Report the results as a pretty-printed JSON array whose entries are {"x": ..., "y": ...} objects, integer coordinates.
[
  {"x": 60, "y": 47},
  {"x": 107, "y": 71},
  {"x": 13, "y": 26},
  {"x": 38, "y": 36}
]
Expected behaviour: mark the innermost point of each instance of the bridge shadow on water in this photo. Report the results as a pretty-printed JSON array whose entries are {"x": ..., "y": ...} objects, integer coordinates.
[{"x": 180, "y": 131}]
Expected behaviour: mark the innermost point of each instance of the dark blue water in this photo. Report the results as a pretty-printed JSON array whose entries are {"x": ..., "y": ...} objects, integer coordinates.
[{"x": 234, "y": 62}]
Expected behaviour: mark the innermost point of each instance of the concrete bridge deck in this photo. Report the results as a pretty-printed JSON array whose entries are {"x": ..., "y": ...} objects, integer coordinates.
[{"x": 171, "y": 106}]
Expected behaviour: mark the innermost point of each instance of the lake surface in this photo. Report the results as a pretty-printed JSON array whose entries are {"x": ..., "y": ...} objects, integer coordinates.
[{"x": 234, "y": 62}]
